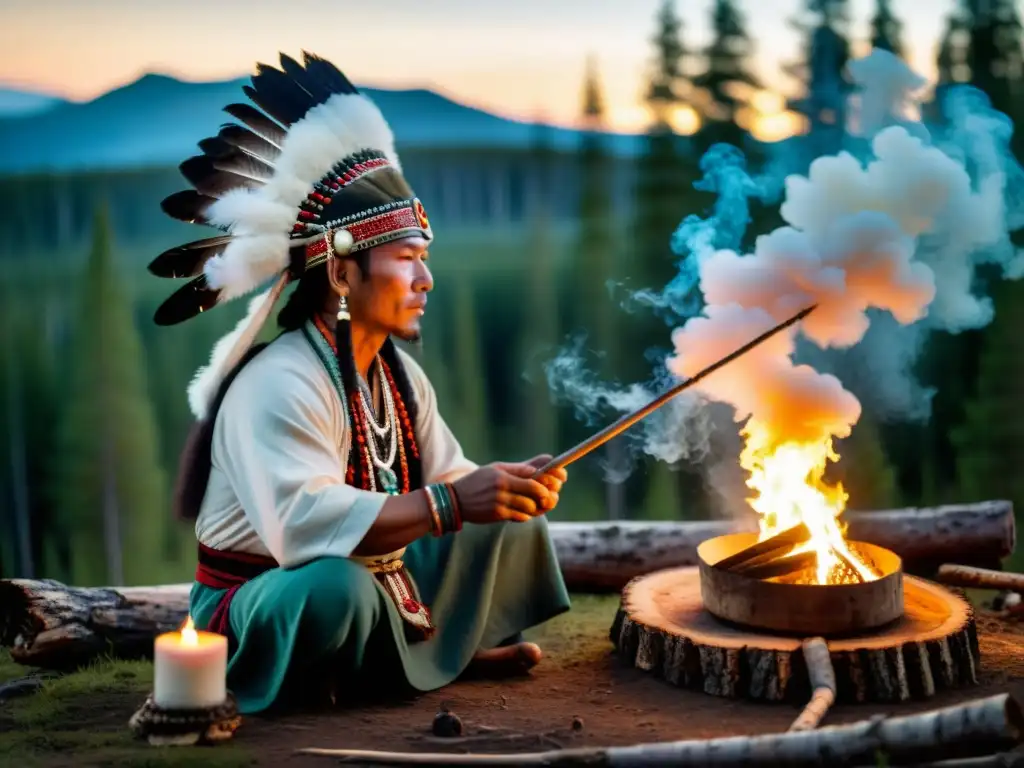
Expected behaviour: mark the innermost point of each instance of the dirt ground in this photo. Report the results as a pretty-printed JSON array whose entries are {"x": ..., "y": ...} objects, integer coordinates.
[{"x": 579, "y": 678}]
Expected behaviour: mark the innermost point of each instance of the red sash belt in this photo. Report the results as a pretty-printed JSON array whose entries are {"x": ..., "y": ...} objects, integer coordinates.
[
  {"x": 228, "y": 570},
  {"x": 220, "y": 569}
]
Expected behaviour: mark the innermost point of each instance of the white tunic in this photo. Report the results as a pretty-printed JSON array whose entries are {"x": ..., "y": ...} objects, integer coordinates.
[{"x": 280, "y": 450}]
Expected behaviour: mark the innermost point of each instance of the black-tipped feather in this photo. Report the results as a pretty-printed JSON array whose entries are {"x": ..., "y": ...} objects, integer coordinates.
[
  {"x": 188, "y": 206},
  {"x": 228, "y": 158},
  {"x": 186, "y": 302},
  {"x": 323, "y": 71},
  {"x": 258, "y": 122},
  {"x": 247, "y": 141},
  {"x": 317, "y": 90},
  {"x": 278, "y": 95},
  {"x": 187, "y": 260},
  {"x": 210, "y": 180}
]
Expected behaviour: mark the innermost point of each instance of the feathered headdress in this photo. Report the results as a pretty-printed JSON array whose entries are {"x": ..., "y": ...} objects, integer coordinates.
[{"x": 312, "y": 175}]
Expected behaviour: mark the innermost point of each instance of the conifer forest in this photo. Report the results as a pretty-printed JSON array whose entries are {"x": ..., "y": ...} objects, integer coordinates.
[{"x": 540, "y": 316}]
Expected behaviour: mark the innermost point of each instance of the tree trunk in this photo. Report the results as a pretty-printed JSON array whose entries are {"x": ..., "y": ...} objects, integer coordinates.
[
  {"x": 19, "y": 462},
  {"x": 976, "y": 728},
  {"x": 605, "y": 556}
]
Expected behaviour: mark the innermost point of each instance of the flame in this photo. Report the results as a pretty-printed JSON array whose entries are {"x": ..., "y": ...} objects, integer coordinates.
[
  {"x": 788, "y": 480},
  {"x": 188, "y": 633}
]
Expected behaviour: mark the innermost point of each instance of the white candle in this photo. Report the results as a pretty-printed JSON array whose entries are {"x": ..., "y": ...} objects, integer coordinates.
[{"x": 190, "y": 669}]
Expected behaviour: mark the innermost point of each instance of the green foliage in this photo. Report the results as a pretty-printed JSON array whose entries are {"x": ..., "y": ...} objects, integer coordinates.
[
  {"x": 864, "y": 468},
  {"x": 990, "y": 441},
  {"x": 110, "y": 491}
]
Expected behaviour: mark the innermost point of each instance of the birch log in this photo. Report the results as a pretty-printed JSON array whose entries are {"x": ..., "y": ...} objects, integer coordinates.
[
  {"x": 606, "y": 556},
  {"x": 823, "y": 684},
  {"x": 976, "y": 728},
  {"x": 980, "y": 578}
]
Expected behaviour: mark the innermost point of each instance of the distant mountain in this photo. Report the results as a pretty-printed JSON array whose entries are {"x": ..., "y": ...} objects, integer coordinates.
[
  {"x": 157, "y": 120},
  {"x": 15, "y": 102}
]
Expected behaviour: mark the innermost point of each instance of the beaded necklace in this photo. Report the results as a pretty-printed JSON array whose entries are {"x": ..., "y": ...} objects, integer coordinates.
[{"x": 366, "y": 469}]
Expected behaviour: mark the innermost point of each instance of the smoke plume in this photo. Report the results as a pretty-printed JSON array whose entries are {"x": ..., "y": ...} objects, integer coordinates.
[{"x": 889, "y": 234}]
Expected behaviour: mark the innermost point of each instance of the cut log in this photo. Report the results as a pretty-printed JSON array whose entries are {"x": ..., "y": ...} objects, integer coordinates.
[
  {"x": 823, "y": 684},
  {"x": 605, "y": 556},
  {"x": 663, "y": 628},
  {"x": 980, "y": 578},
  {"x": 967, "y": 730},
  {"x": 49, "y": 625}
]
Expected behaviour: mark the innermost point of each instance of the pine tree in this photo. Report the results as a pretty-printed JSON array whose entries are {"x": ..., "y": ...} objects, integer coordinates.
[
  {"x": 110, "y": 491},
  {"x": 664, "y": 196},
  {"x": 726, "y": 74},
  {"x": 990, "y": 443},
  {"x": 540, "y": 322},
  {"x": 469, "y": 422},
  {"x": 594, "y": 266},
  {"x": 822, "y": 76},
  {"x": 886, "y": 29},
  {"x": 994, "y": 51}
]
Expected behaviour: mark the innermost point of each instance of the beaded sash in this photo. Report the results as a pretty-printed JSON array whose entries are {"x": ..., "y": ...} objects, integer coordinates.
[{"x": 392, "y": 574}]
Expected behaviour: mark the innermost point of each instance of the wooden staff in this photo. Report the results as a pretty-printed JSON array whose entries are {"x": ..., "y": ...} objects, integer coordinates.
[{"x": 620, "y": 426}]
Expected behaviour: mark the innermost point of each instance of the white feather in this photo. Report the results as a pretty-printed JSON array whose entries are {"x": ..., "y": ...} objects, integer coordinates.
[
  {"x": 230, "y": 348},
  {"x": 343, "y": 124}
]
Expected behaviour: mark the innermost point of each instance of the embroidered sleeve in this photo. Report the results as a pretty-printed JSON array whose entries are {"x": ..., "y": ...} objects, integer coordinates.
[
  {"x": 276, "y": 440},
  {"x": 441, "y": 453}
]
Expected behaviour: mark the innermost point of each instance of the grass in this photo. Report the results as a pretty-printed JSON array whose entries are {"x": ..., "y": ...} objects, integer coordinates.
[{"x": 81, "y": 719}]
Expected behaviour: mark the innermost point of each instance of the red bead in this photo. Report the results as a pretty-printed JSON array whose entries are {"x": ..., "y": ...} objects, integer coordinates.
[{"x": 411, "y": 605}]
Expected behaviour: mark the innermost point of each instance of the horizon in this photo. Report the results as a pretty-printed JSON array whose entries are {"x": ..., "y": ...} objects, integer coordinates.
[{"x": 477, "y": 57}]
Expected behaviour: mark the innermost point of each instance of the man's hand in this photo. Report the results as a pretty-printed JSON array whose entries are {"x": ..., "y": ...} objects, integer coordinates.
[{"x": 507, "y": 491}]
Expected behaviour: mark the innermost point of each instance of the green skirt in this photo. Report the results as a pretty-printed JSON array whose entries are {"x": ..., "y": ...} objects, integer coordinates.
[{"x": 483, "y": 584}]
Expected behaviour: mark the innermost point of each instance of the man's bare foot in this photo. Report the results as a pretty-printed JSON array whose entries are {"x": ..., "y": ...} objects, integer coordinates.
[{"x": 505, "y": 661}]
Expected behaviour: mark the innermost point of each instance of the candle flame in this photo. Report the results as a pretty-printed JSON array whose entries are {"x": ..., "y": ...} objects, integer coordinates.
[{"x": 188, "y": 633}]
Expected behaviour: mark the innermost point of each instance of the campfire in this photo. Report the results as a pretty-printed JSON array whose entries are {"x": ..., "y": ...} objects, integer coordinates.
[{"x": 799, "y": 574}]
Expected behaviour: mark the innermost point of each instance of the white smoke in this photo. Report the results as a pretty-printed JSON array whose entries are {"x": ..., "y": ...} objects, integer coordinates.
[
  {"x": 886, "y": 241},
  {"x": 902, "y": 232}
]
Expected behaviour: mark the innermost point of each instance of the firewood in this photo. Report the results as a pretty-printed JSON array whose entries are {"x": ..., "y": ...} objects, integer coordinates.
[
  {"x": 781, "y": 566},
  {"x": 823, "y": 684},
  {"x": 604, "y": 556},
  {"x": 767, "y": 550},
  {"x": 982, "y": 578},
  {"x": 962, "y": 731}
]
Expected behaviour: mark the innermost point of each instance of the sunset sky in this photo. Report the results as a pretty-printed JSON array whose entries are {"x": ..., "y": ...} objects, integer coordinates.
[{"x": 523, "y": 59}]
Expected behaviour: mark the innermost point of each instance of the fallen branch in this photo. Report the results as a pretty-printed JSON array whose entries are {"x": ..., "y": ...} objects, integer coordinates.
[
  {"x": 47, "y": 624},
  {"x": 823, "y": 684},
  {"x": 605, "y": 556},
  {"x": 973, "y": 729},
  {"x": 982, "y": 578}
]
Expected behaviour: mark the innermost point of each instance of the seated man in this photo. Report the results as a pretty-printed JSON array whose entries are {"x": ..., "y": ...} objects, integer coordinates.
[{"x": 343, "y": 536}]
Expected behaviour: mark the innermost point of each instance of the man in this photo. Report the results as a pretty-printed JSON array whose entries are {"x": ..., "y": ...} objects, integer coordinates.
[{"x": 343, "y": 535}]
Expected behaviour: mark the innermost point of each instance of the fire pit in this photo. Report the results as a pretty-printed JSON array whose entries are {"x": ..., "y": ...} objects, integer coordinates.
[
  {"x": 773, "y": 585},
  {"x": 735, "y": 647}
]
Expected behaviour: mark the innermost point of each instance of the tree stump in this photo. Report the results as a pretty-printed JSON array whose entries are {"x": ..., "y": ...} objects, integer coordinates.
[{"x": 663, "y": 628}]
